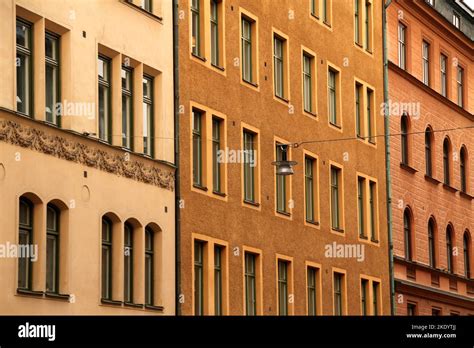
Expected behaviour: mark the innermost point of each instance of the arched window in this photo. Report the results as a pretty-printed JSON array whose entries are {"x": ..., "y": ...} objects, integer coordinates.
[
  {"x": 149, "y": 269},
  {"x": 404, "y": 139},
  {"x": 407, "y": 232},
  {"x": 446, "y": 161},
  {"x": 449, "y": 248},
  {"x": 467, "y": 254},
  {"x": 106, "y": 258},
  {"x": 128, "y": 263},
  {"x": 428, "y": 152},
  {"x": 432, "y": 242},
  {"x": 52, "y": 249},
  {"x": 462, "y": 168},
  {"x": 25, "y": 237}
]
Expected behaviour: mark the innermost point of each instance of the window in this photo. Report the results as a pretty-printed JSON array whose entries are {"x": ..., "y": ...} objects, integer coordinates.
[
  {"x": 460, "y": 85},
  {"x": 128, "y": 263},
  {"x": 216, "y": 147},
  {"x": 24, "y": 73},
  {"x": 326, "y": 11},
  {"x": 332, "y": 94},
  {"x": 308, "y": 63},
  {"x": 248, "y": 28},
  {"x": 250, "y": 284},
  {"x": 197, "y": 148},
  {"x": 281, "y": 180},
  {"x": 456, "y": 20},
  {"x": 196, "y": 27},
  {"x": 358, "y": 109},
  {"x": 364, "y": 288},
  {"x": 52, "y": 249},
  {"x": 368, "y": 25},
  {"x": 370, "y": 116},
  {"x": 149, "y": 266},
  {"x": 105, "y": 111},
  {"x": 449, "y": 249},
  {"x": 338, "y": 293},
  {"x": 426, "y": 63},
  {"x": 198, "y": 278},
  {"x": 411, "y": 309},
  {"x": 435, "y": 312},
  {"x": 52, "y": 78},
  {"x": 218, "y": 279},
  {"x": 312, "y": 274},
  {"x": 336, "y": 194},
  {"x": 148, "y": 138},
  {"x": 314, "y": 8},
  {"x": 375, "y": 297},
  {"x": 249, "y": 166},
  {"x": 282, "y": 287},
  {"x": 444, "y": 75},
  {"x": 278, "y": 66},
  {"x": 466, "y": 253},
  {"x": 361, "y": 205},
  {"x": 357, "y": 21},
  {"x": 407, "y": 234},
  {"x": 127, "y": 107},
  {"x": 430, "y": 2},
  {"x": 428, "y": 152},
  {"x": 404, "y": 139},
  {"x": 215, "y": 40},
  {"x": 373, "y": 218},
  {"x": 446, "y": 161},
  {"x": 106, "y": 259},
  {"x": 463, "y": 169},
  {"x": 310, "y": 164},
  {"x": 402, "y": 51},
  {"x": 431, "y": 243},
  {"x": 146, "y": 5},
  {"x": 25, "y": 238}
]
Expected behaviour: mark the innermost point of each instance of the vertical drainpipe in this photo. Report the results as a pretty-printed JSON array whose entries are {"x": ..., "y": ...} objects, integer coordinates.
[
  {"x": 176, "y": 159},
  {"x": 387, "y": 155}
]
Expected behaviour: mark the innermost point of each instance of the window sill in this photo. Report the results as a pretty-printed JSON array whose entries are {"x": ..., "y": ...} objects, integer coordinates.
[
  {"x": 450, "y": 188},
  {"x": 465, "y": 195},
  {"x": 283, "y": 213},
  {"x": 315, "y": 223},
  {"x": 338, "y": 230},
  {"x": 58, "y": 296},
  {"x": 253, "y": 84},
  {"x": 111, "y": 302},
  {"x": 154, "y": 308},
  {"x": 221, "y": 194},
  {"x": 373, "y": 240},
  {"x": 335, "y": 125},
  {"x": 142, "y": 10},
  {"x": 408, "y": 168},
  {"x": 218, "y": 67},
  {"x": 310, "y": 113},
  {"x": 315, "y": 16},
  {"x": 432, "y": 180},
  {"x": 283, "y": 99},
  {"x": 358, "y": 44},
  {"x": 363, "y": 237},
  {"x": 255, "y": 204},
  {"x": 327, "y": 24},
  {"x": 199, "y": 187},
  {"x": 29, "y": 292},
  {"x": 198, "y": 57},
  {"x": 133, "y": 305}
]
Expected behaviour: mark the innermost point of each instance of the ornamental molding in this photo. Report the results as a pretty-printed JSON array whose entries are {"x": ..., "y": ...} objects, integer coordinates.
[{"x": 57, "y": 146}]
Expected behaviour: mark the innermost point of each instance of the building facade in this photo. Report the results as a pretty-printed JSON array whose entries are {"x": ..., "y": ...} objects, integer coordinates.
[
  {"x": 256, "y": 76},
  {"x": 86, "y": 157},
  {"x": 431, "y": 120}
]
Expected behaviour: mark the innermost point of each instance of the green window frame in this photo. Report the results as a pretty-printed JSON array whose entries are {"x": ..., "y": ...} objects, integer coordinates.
[
  {"x": 446, "y": 162},
  {"x": 147, "y": 5},
  {"x": 278, "y": 66},
  {"x": 149, "y": 266},
  {"x": 368, "y": 17},
  {"x": 363, "y": 296},
  {"x": 24, "y": 67},
  {"x": 431, "y": 243},
  {"x": 105, "y": 109},
  {"x": 325, "y": 11},
  {"x": 372, "y": 210},
  {"x": 338, "y": 293},
  {"x": 332, "y": 95},
  {"x": 356, "y": 22},
  {"x": 198, "y": 278},
  {"x": 52, "y": 78},
  {"x": 428, "y": 152},
  {"x": 216, "y": 147},
  {"x": 358, "y": 104},
  {"x": 444, "y": 75},
  {"x": 197, "y": 147},
  {"x": 312, "y": 290},
  {"x": 218, "y": 279},
  {"x": 407, "y": 234},
  {"x": 426, "y": 62},
  {"x": 196, "y": 27},
  {"x": 250, "y": 284},
  {"x": 128, "y": 263},
  {"x": 309, "y": 188},
  {"x": 52, "y": 248},
  {"x": 370, "y": 116},
  {"x": 402, "y": 49},
  {"x": 249, "y": 170},
  {"x": 127, "y": 107},
  {"x": 281, "y": 184},
  {"x": 462, "y": 169},
  {"x": 148, "y": 116},
  {"x": 25, "y": 237},
  {"x": 375, "y": 297},
  {"x": 449, "y": 249},
  {"x": 361, "y": 206},
  {"x": 247, "y": 50},
  {"x": 282, "y": 287},
  {"x": 404, "y": 139},
  {"x": 307, "y": 83},
  {"x": 467, "y": 254},
  {"x": 107, "y": 257},
  {"x": 335, "y": 198},
  {"x": 215, "y": 40}
]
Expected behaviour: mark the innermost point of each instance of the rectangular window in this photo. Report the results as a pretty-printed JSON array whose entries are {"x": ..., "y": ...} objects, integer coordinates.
[
  {"x": 197, "y": 148},
  {"x": 198, "y": 278},
  {"x": 375, "y": 297},
  {"x": 456, "y": 20},
  {"x": 127, "y": 108},
  {"x": 146, "y": 5},
  {"x": 309, "y": 188},
  {"x": 368, "y": 25},
  {"x": 460, "y": 85},
  {"x": 335, "y": 198},
  {"x": 426, "y": 63},
  {"x": 25, "y": 238},
  {"x": 361, "y": 206},
  {"x": 314, "y": 8},
  {"x": 196, "y": 27},
  {"x": 281, "y": 184},
  {"x": 278, "y": 66},
  {"x": 248, "y": 32},
  {"x": 105, "y": 119},
  {"x": 364, "y": 289},
  {"x": 218, "y": 250},
  {"x": 338, "y": 293},
  {"x": 444, "y": 76},
  {"x": 52, "y": 249},
  {"x": 312, "y": 274},
  {"x": 308, "y": 63},
  {"x": 52, "y": 88},
  {"x": 357, "y": 21},
  {"x": 149, "y": 266},
  {"x": 106, "y": 259},
  {"x": 250, "y": 284},
  {"x": 402, "y": 54},
  {"x": 215, "y": 33},
  {"x": 282, "y": 287},
  {"x": 148, "y": 134},
  {"x": 373, "y": 211},
  {"x": 326, "y": 11},
  {"x": 370, "y": 116},
  {"x": 128, "y": 264},
  {"x": 411, "y": 309},
  {"x": 249, "y": 166},
  {"x": 24, "y": 72},
  {"x": 216, "y": 147},
  {"x": 332, "y": 94},
  {"x": 358, "y": 109}
]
